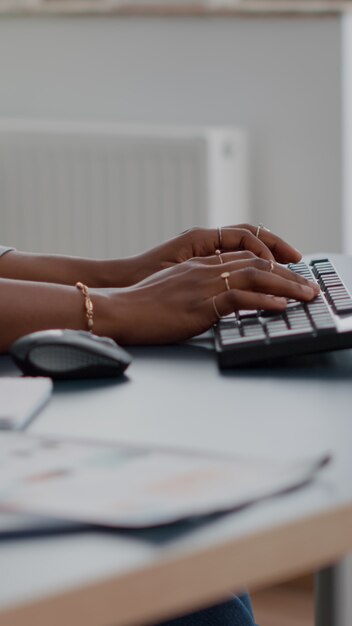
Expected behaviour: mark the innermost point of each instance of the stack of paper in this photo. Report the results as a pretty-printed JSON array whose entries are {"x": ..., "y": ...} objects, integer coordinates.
[{"x": 132, "y": 487}]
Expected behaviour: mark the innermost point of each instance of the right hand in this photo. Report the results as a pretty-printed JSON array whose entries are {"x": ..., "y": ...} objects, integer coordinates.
[
  {"x": 177, "y": 303},
  {"x": 202, "y": 242}
]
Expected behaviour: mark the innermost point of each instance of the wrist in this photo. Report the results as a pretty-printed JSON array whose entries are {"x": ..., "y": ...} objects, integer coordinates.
[
  {"x": 144, "y": 265},
  {"x": 117, "y": 272},
  {"x": 109, "y": 313}
]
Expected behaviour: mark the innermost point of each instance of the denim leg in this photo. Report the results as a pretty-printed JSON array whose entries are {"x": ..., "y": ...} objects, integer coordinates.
[
  {"x": 235, "y": 612},
  {"x": 245, "y": 599}
]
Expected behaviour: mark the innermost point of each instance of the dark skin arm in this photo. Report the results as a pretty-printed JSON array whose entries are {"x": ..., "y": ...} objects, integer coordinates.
[
  {"x": 29, "y": 306},
  {"x": 197, "y": 242},
  {"x": 171, "y": 305}
]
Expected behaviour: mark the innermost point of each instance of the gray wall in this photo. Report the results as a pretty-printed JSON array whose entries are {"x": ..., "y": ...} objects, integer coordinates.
[
  {"x": 347, "y": 132},
  {"x": 278, "y": 78}
]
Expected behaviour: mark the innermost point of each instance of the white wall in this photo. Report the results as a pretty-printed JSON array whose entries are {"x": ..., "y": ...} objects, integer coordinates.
[
  {"x": 347, "y": 132},
  {"x": 279, "y": 78}
]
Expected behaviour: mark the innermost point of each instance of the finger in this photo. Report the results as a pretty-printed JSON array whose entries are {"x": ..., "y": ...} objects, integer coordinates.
[
  {"x": 267, "y": 266},
  {"x": 204, "y": 241},
  {"x": 242, "y": 255},
  {"x": 234, "y": 300},
  {"x": 251, "y": 279},
  {"x": 243, "y": 239},
  {"x": 282, "y": 251},
  {"x": 233, "y": 261}
]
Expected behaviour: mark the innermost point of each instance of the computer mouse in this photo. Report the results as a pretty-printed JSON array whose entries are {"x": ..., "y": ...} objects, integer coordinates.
[{"x": 65, "y": 354}]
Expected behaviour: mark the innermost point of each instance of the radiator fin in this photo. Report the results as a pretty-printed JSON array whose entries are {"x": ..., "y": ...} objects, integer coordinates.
[{"x": 105, "y": 190}]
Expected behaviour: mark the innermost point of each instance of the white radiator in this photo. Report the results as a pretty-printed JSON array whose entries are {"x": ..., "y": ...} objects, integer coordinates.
[{"x": 103, "y": 190}]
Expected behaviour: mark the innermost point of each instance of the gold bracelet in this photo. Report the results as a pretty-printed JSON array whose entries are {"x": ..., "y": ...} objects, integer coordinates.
[{"x": 88, "y": 305}]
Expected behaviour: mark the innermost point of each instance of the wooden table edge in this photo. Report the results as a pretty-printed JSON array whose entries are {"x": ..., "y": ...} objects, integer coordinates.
[{"x": 204, "y": 576}]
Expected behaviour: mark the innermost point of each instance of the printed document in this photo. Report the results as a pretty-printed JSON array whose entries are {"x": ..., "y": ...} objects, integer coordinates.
[{"x": 131, "y": 487}]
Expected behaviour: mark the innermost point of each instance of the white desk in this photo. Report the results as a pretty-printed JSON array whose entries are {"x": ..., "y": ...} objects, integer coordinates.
[{"x": 177, "y": 396}]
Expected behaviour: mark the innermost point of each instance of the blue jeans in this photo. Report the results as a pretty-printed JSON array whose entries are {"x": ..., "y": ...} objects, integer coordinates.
[{"x": 236, "y": 612}]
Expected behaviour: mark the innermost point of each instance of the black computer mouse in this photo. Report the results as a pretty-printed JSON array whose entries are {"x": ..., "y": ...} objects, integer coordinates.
[{"x": 63, "y": 354}]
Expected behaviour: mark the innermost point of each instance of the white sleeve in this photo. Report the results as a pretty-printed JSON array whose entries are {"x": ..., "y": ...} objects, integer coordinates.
[{"x": 4, "y": 249}]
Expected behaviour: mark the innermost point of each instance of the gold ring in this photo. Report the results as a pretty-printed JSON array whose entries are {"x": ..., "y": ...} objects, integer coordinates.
[
  {"x": 218, "y": 253},
  {"x": 225, "y": 276},
  {"x": 220, "y": 237},
  {"x": 259, "y": 228},
  {"x": 216, "y": 309},
  {"x": 272, "y": 265}
]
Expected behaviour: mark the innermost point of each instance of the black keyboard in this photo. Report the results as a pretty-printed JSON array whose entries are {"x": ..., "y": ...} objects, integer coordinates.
[{"x": 325, "y": 323}]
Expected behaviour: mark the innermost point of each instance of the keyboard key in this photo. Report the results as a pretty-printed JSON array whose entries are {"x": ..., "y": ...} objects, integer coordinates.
[
  {"x": 254, "y": 331},
  {"x": 239, "y": 340},
  {"x": 322, "y": 267},
  {"x": 228, "y": 337},
  {"x": 247, "y": 314},
  {"x": 277, "y": 328},
  {"x": 332, "y": 281},
  {"x": 333, "y": 287},
  {"x": 228, "y": 323},
  {"x": 324, "y": 323},
  {"x": 315, "y": 309},
  {"x": 293, "y": 305},
  {"x": 343, "y": 307},
  {"x": 297, "y": 312},
  {"x": 230, "y": 330},
  {"x": 288, "y": 333},
  {"x": 302, "y": 269},
  {"x": 303, "y": 324},
  {"x": 321, "y": 315},
  {"x": 340, "y": 299},
  {"x": 267, "y": 313},
  {"x": 337, "y": 291}
]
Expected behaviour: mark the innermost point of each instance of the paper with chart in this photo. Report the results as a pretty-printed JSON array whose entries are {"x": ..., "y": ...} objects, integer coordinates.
[{"x": 130, "y": 487}]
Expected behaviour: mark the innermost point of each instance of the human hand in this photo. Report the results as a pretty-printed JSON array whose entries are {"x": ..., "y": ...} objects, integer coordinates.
[
  {"x": 178, "y": 303},
  {"x": 202, "y": 242}
]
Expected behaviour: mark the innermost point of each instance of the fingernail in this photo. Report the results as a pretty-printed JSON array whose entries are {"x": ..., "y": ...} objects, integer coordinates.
[
  {"x": 309, "y": 291},
  {"x": 313, "y": 286}
]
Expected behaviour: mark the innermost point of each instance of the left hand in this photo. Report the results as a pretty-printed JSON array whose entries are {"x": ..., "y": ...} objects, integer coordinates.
[
  {"x": 202, "y": 243},
  {"x": 188, "y": 298}
]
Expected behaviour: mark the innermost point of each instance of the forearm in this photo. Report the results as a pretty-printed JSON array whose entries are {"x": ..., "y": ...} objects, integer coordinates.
[
  {"x": 66, "y": 270},
  {"x": 30, "y": 306}
]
